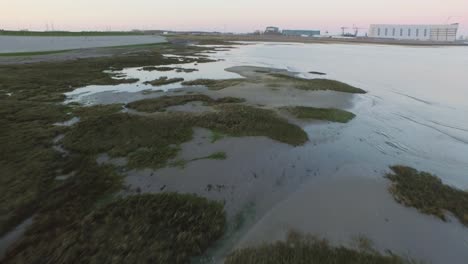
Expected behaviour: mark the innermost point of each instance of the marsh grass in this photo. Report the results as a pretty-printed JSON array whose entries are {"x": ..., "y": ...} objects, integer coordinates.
[
  {"x": 28, "y": 160},
  {"x": 149, "y": 141},
  {"x": 215, "y": 84},
  {"x": 177, "y": 69},
  {"x": 161, "y": 103},
  {"x": 428, "y": 194},
  {"x": 32, "y": 53},
  {"x": 243, "y": 120},
  {"x": 163, "y": 81},
  {"x": 48, "y": 81},
  {"x": 318, "y": 84},
  {"x": 30, "y": 164},
  {"x": 328, "y": 114},
  {"x": 161, "y": 228},
  {"x": 300, "y": 248},
  {"x": 154, "y": 68},
  {"x": 215, "y": 136}
]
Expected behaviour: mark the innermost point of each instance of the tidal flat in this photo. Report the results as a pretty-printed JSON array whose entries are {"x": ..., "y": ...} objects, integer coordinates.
[{"x": 247, "y": 149}]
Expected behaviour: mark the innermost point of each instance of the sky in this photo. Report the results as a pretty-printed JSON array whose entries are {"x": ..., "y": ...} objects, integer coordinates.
[{"x": 227, "y": 16}]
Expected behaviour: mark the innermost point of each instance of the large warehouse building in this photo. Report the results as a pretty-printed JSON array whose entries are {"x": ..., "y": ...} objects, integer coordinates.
[
  {"x": 415, "y": 32},
  {"x": 301, "y": 33}
]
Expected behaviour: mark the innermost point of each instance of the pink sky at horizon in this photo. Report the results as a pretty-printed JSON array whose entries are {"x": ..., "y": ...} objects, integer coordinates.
[{"x": 232, "y": 16}]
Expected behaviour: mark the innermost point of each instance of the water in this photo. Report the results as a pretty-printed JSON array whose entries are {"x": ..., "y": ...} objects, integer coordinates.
[
  {"x": 214, "y": 70},
  {"x": 10, "y": 44},
  {"x": 415, "y": 109},
  {"x": 415, "y": 113}
]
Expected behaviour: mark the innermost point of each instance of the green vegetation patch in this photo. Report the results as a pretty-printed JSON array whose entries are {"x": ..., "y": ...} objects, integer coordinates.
[
  {"x": 147, "y": 141},
  {"x": 161, "y": 228},
  {"x": 216, "y": 135},
  {"x": 153, "y": 68},
  {"x": 242, "y": 120},
  {"x": 308, "y": 249},
  {"x": 47, "y": 81},
  {"x": 152, "y": 141},
  {"x": 329, "y": 114},
  {"x": 32, "y": 53},
  {"x": 161, "y": 103},
  {"x": 163, "y": 81},
  {"x": 215, "y": 84},
  {"x": 28, "y": 162},
  {"x": 427, "y": 193},
  {"x": 318, "y": 84},
  {"x": 177, "y": 69},
  {"x": 28, "y": 159}
]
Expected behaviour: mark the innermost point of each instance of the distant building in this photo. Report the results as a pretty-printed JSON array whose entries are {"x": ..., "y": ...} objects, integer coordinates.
[
  {"x": 272, "y": 31},
  {"x": 415, "y": 32},
  {"x": 303, "y": 33}
]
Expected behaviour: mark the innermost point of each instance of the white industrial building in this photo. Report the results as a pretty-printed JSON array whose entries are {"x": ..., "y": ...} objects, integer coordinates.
[{"x": 414, "y": 32}]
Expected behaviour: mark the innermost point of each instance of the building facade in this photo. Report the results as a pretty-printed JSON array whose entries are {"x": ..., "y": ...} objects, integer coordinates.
[
  {"x": 445, "y": 33},
  {"x": 272, "y": 30},
  {"x": 305, "y": 33}
]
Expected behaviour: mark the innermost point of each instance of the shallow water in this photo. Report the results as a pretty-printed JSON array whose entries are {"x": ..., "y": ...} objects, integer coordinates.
[
  {"x": 91, "y": 94},
  {"x": 415, "y": 113},
  {"x": 415, "y": 110},
  {"x": 10, "y": 44}
]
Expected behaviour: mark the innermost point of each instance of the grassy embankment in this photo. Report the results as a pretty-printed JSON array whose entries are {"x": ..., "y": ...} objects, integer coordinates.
[
  {"x": 428, "y": 194},
  {"x": 307, "y": 249},
  {"x": 30, "y": 104},
  {"x": 328, "y": 114}
]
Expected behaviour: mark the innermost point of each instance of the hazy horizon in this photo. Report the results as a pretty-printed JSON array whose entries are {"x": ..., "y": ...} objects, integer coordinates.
[{"x": 239, "y": 16}]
